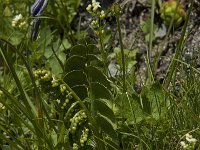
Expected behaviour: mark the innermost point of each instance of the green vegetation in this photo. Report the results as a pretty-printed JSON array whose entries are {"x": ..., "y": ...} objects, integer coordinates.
[{"x": 58, "y": 92}]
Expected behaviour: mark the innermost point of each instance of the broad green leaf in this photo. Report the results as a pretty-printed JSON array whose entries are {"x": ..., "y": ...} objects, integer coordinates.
[
  {"x": 65, "y": 45},
  {"x": 103, "y": 109},
  {"x": 79, "y": 50},
  {"x": 16, "y": 37},
  {"x": 107, "y": 126},
  {"x": 55, "y": 66},
  {"x": 75, "y": 63},
  {"x": 75, "y": 77},
  {"x": 129, "y": 108},
  {"x": 100, "y": 91},
  {"x": 81, "y": 91},
  {"x": 7, "y": 12},
  {"x": 111, "y": 145},
  {"x": 95, "y": 75},
  {"x": 86, "y": 41},
  {"x": 93, "y": 60},
  {"x": 158, "y": 101},
  {"x": 144, "y": 101},
  {"x": 92, "y": 49}
]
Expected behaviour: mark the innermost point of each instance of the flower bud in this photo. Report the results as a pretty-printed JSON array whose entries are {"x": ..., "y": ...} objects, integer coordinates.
[
  {"x": 116, "y": 9},
  {"x": 172, "y": 9}
]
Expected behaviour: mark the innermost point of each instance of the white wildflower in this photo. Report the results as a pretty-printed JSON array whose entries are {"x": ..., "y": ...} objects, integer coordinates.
[
  {"x": 190, "y": 139},
  {"x": 18, "y": 21},
  {"x": 18, "y": 17},
  {"x": 22, "y": 24},
  {"x": 183, "y": 144},
  {"x": 89, "y": 7},
  {"x": 2, "y": 106},
  {"x": 102, "y": 15},
  {"x": 92, "y": 8},
  {"x": 1, "y": 93},
  {"x": 94, "y": 23}
]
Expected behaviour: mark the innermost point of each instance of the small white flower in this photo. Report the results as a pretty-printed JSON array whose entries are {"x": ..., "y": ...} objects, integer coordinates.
[
  {"x": 1, "y": 92},
  {"x": 95, "y": 5},
  {"x": 58, "y": 101},
  {"x": 22, "y": 24},
  {"x": 2, "y": 106},
  {"x": 102, "y": 15},
  {"x": 94, "y": 23},
  {"x": 190, "y": 139},
  {"x": 95, "y": 8},
  {"x": 16, "y": 21},
  {"x": 188, "y": 136},
  {"x": 183, "y": 144},
  {"x": 18, "y": 17},
  {"x": 89, "y": 7}
]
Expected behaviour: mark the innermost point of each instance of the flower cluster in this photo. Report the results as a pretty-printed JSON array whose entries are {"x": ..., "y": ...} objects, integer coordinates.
[
  {"x": 77, "y": 120},
  {"x": 18, "y": 21},
  {"x": 93, "y": 10},
  {"x": 116, "y": 9},
  {"x": 172, "y": 9},
  {"x": 84, "y": 136},
  {"x": 75, "y": 146},
  {"x": 98, "y": 16},
  {"x": 67, "y": 100},
  {"x": 189, "y": 143},
  {"x": 62, "y": 98},
  {"x": 44, "y": 75}
]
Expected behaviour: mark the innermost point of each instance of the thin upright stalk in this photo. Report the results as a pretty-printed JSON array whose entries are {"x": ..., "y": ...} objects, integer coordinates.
[
  {"x": 179, "y": 49},
  {"x": 150, "y": 73},
  {"x": 103, "y": 52},
  {"x": 122, "y": 55}
]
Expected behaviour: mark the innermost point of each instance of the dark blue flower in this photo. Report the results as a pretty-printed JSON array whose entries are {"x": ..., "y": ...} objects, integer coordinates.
[
  {"x": 38, "y": 7},
  {"x": 35, "y": 29},
  {"x": 36, "y": 10}
]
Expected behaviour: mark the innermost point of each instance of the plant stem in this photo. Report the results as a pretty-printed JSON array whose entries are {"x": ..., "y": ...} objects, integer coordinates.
[
  {"x": 122, "y": 55},
  {"x": 179, "y": 49},
  {"x": 150, "y": 73},
  {"x": 103, "y": 52}
]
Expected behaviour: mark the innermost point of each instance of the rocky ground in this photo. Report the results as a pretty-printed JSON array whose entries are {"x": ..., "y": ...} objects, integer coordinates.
[{"x": 135, "y": 13}]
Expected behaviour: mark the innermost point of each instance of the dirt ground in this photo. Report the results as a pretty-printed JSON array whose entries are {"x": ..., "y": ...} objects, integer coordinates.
[{"x": 135, "y": 13}]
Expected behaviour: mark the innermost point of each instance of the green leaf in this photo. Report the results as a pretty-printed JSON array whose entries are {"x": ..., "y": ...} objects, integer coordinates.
[
  {"x": 16, "y": 37},
  {"x": 7, "y": 12},
  {"x": 92, "y": 49},
  {"x": 86, "y": 41},
  {"x": 103, "y": 109},
  {"x": 100, "y": 91},
  {"x": 95, "y": 75},
  {"x": 107, "y": 36},
  {"x": 75, "y": 63},
  {"x": 75, "y": 77},
  {"x": 78, "y": 50},
  {"x": 129, "y": 108},
  {"x": 65, "y": 45},
  {"x": 81, "y": 91},
  {"x": 145, "y": 104},
  {"x": 54, "y": 65},
  {"x": 159, "y": 103},
  {"x": 93, "y": 60},
  {"x": 107, "y": 126},
  {"x": 111, "y": 145}
]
